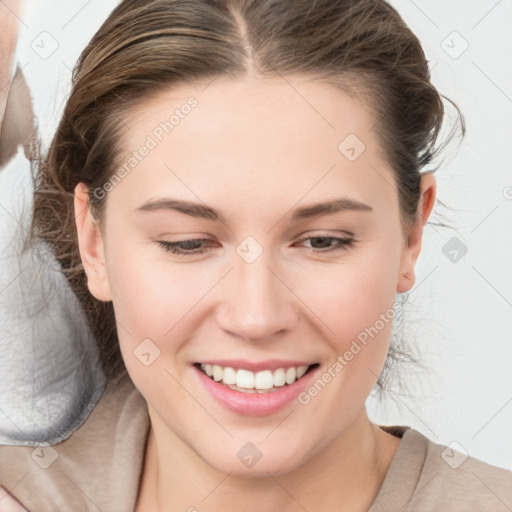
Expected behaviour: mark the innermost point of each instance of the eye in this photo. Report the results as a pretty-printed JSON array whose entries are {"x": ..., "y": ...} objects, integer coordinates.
[
  {"x": 185, "y": 247},
  {"x": 325, "y": 243},
  {"x": 197, "y": 245}
]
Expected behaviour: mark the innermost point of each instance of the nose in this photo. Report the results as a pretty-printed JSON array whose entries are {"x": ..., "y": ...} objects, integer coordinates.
[{"x": 257, "y": 303}]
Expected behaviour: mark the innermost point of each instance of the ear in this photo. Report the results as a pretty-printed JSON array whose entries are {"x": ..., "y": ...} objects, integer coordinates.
[
  {"x": 91, "y": 246},
  {"x": 411, "y": 251}
]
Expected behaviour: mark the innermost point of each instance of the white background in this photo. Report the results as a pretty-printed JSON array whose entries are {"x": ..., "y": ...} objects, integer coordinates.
[{"x": 460, "y": 312}]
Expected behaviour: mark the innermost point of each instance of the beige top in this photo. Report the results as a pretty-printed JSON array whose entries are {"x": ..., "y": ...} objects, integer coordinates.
[{"x": 98, "y": 468}]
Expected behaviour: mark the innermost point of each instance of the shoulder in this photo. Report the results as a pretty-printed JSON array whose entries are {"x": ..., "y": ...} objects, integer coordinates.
[
  {"x": 97, "y": 466},
  {"x": 425, "y": 476},
  {"x": 449, "y": 471}
]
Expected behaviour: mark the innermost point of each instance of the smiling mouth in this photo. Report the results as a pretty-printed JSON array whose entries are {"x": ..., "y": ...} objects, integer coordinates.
[{"x": 245, "y": 381}]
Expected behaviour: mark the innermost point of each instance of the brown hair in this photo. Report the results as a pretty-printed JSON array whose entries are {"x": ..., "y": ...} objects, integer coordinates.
[{"x": 147, "y": 46}]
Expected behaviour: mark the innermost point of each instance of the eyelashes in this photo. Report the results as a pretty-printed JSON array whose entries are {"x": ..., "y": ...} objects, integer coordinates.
[
  {"x": 174, "y": 248},
  {"x": 189, "y": 247},
  {"x": 341, "y": 243}
]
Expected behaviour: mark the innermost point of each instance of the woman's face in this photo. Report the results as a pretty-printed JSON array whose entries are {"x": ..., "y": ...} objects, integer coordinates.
[{"x": 248, "y": 166}]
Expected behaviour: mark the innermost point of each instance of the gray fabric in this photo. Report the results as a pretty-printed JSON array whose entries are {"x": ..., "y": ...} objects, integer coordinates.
[{"x": 50, "y": 378}]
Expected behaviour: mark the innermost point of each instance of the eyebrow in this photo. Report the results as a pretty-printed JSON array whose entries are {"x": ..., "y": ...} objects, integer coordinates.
[{"x": 207, "y": 212}]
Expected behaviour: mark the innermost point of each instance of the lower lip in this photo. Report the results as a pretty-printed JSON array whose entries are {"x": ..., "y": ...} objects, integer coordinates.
[{"x": 255, "y": 404}]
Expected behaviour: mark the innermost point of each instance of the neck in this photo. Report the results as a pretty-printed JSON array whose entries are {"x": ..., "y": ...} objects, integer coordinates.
[{"x": 350, "y": 471}]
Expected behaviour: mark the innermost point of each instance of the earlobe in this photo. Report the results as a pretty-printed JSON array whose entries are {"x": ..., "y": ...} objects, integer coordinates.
[
  {"x": 90, "y": 244},
  {"x": 411, "y": 251}
]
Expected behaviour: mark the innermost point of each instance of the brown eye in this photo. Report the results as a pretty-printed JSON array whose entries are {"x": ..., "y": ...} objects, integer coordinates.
[
  {"x": 324, "y": 243},
  {"x": 184, "y": 247}
]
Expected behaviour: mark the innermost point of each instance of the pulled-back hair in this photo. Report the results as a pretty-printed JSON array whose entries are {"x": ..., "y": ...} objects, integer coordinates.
[{"x": 148, "y": 46}]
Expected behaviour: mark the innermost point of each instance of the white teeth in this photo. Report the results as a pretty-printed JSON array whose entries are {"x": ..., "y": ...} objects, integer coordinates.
[
  {"x": 264, "y": 380},
  {"x": 291, "y": 375},
  {"x": 218, "y": 372},
  {"x": 279, "y": 377},
  {"x": 246, "y": 379},
  {"x": 229, "y": 376},
  {"x": 301, "y": 371}
]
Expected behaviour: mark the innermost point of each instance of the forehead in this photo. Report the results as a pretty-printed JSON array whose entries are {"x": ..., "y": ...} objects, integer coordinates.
[
  {"x": 235, "y": 109},
  {"x": 284, "y": 137}
]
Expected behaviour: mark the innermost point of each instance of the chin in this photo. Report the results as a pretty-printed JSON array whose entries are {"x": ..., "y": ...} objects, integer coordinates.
[{"x": 276, "y": 464}]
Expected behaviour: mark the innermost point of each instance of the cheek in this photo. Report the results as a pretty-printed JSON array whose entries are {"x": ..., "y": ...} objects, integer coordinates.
[
  {"x": 355, "y": 303},
  {"x": 158, "y": 300},
  {"x": 353, "y": 295},
  {"x": 144, "y": 303},
  {"x": 149, "y": 298},
  {"x": 149, "y": 293}
]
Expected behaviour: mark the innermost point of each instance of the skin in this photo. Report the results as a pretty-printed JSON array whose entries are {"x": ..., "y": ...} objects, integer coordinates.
[
  {"x": 9, "y": 29},
  {"x": 255, "y": 150},
  {"x": 16, "y": 116}
]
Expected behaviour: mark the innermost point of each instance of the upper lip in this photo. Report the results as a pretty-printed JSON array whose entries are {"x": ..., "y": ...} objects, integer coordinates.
[{"x": 269, "y": 364}]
